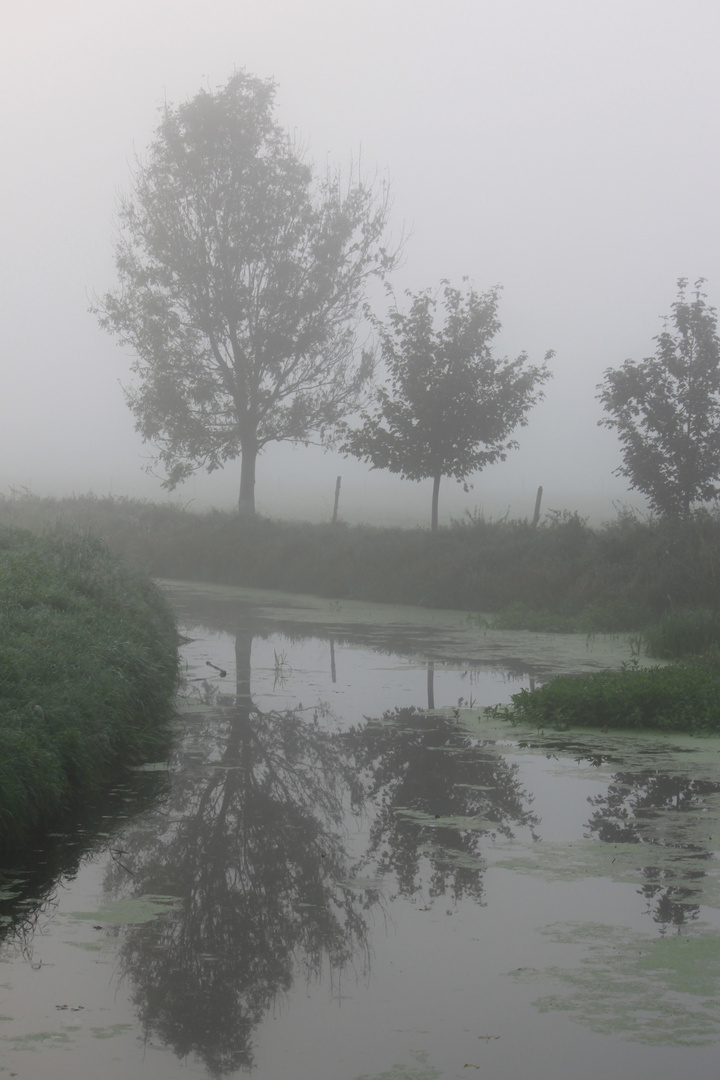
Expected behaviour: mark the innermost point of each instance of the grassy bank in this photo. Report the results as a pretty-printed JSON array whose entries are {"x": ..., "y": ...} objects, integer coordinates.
[
  {"x": 562, "y": 575},
  {"x": 681, "y": 696},
  {"x": 88, "y": 667},
  {"x": 677, "y": 697}
]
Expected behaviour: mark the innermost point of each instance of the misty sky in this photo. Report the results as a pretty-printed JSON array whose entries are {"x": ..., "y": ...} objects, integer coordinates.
[{"x": 567, "y": 149}]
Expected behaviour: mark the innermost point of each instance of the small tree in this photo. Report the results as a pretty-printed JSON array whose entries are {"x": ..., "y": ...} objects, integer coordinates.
[
  {"x": 666, "y": 410},
  {"x": 241, "y": 278},
  {"x": 449, "y": 405}
]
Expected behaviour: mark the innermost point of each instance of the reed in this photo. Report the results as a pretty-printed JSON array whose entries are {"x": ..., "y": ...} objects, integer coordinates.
[{"x": 683, "y": 633}]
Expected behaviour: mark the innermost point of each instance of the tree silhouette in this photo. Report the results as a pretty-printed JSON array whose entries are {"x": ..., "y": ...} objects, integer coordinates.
[
  {"x": 666, "y": 410},
  {"x": 241, "y": 278},
  {"x": 450, "y": 406}
]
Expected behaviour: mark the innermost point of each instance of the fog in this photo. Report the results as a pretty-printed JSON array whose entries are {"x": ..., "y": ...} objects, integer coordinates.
[{"x": 567, "y": 150}]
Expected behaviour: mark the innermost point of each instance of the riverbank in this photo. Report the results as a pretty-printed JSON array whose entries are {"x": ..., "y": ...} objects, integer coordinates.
[
  {"x": 683, "y": 696},
  {"x": 88, "y": 670},
  {"x": 563, "y": 575}
]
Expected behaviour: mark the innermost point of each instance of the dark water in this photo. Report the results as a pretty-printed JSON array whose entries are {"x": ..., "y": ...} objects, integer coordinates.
[{"x": 347, "y": 871}]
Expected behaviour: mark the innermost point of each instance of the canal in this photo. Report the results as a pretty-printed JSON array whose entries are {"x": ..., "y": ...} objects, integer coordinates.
[{"x": 347, "y": 869}]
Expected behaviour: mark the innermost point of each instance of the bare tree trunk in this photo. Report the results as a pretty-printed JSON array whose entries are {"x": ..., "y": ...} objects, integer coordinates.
[
  {"x": 436, "y": 491},
  {"x": 246, "y": 502}
]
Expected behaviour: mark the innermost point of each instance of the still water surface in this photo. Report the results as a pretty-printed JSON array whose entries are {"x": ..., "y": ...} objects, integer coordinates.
[{"x": 346, "y": 870}]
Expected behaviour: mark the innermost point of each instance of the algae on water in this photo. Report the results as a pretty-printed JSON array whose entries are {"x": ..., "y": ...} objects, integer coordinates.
[{"x": 660, "y": 991}]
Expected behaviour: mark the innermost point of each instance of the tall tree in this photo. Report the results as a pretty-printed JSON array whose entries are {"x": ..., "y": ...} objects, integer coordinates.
[
  {"x": 666, "y": 409},
  {"x": 241, "y": 278},
  {"x": 449, "y": 405}
]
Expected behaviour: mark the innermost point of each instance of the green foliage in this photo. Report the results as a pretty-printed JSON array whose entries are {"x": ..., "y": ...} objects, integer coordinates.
[
  {"x": 88, "y": 667},
  {"x": 241, "y": 277},
  {"x": 678, "y": 697},
  {"x": 666, "y": 410},
  {"x": 450, "y": 405}
]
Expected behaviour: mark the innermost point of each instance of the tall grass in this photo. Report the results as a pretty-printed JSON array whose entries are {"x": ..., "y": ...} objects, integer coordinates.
[
  {"x": 563, "y": 574},
  {"x": 88, "y": 667},
  {"x": 683, "y": 633}
]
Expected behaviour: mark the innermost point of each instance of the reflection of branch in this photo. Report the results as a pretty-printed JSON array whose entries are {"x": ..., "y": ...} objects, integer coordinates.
[
  {"x": 273, "y": 763},
  {"x": 114, "y": 852}
]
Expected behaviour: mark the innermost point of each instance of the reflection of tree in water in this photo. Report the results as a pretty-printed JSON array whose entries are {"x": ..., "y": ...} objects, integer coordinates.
[
  {"x": 439, "y": 795},
  {"x": 251, "y": 844},
  {"x": 659, "y": 811}
]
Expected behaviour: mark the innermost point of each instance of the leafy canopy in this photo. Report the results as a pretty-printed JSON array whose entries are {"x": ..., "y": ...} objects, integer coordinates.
[
  {"x": 241, "y": 277},
  {"x": 666, "y": 409},
  {"x": 449, "y": 405}
]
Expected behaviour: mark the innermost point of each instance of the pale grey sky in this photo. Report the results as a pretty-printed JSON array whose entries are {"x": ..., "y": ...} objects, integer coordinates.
[{"x": 567, "y": 149}]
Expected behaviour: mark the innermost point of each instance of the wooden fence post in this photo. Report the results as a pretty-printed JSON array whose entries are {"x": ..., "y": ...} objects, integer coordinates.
[
  {"x": 538, "y": 500},
  {"x": 337, "y": 500}
]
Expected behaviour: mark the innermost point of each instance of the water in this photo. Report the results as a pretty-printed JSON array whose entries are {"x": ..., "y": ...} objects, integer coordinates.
[{"x": 327, "y": 881}]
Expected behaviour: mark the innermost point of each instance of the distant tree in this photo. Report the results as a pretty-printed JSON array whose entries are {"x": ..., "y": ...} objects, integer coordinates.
[
  {"x": 449, "y": 405},
  {"x": 241, "y": 277},
  {"x": 666, "y": 410}
]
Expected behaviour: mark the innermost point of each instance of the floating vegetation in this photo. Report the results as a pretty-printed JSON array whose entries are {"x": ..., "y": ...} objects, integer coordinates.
[
  {"x": 660, "y": 991},
  {"x": 130, "y": 911},
  {"x": 420, "y": 1071}
]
